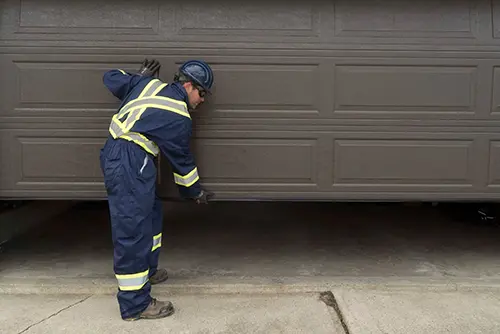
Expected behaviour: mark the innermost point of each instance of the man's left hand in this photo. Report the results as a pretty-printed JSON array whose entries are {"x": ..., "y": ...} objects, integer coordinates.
[{"x": 149, "y": 68}]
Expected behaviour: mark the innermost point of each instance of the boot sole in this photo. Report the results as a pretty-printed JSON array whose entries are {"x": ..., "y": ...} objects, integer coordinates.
[
  {"x": 164, "y": 314},
  {"x": 158, "y": 281}
]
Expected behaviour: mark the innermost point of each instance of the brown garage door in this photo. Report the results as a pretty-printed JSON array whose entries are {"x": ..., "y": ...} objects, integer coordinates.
[{"x": 313, "y": 100}]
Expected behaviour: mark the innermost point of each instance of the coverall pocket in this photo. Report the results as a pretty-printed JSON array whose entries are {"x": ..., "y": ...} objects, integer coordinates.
[
  {"x": 113, "y": 172},
  {"x": 147, "y": 170}
]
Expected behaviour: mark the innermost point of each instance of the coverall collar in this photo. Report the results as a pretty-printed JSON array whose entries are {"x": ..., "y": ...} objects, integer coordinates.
[{"x": 178, "y": 88}]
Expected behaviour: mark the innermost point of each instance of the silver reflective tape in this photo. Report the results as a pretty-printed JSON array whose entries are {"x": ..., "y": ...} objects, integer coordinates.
[
  {"x": 153, "y": 86},
  {"x": 156, "y": 242},
  {"x": 132, "y": 117},
  {"x": 146, "y": 144},
  {"x": 146, "y": 92},
  {"x": 149, "y": 144},
  {"x": 187, "y": 180},
  {"x": 156, "y": 101},
  {"x": 115, "y": 128},
  {"x": 133, "y": 281}
]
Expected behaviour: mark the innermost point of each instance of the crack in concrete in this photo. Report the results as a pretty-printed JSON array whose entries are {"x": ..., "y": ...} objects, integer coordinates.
[
  {"x": 54, "y": 314},
  {"x": 329, "y": 299}
]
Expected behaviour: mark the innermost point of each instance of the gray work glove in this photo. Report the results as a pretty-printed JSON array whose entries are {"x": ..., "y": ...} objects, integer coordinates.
[
  {"x": 203, "y": 197},
  {"x": 149, "y": 68}
]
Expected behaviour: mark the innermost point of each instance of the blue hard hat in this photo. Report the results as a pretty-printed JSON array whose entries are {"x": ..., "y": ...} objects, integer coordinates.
[{"x": 200, "y": 72}]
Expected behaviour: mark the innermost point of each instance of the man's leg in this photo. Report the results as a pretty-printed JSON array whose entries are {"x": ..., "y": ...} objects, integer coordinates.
[
  {"x": 131, "y": 301},
  {"x": 130, "y": 240},
  {"x": 157, "y": 275},
  {"x": 131, "y": 203},
  {"x": 131, "y": 233}
]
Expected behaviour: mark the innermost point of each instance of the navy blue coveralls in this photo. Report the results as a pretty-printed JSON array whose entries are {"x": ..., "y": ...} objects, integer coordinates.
[{"x": 153, "y": 117}]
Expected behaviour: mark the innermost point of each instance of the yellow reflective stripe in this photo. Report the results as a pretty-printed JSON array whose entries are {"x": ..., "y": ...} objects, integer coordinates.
[
  {"x": 187, "y": 180},
  {"x": 159, "y": 89},
  {"x": 162, "y": 106},
  {"x": 142, "y": 141},
  {"x": 156, "y": 242},
  {"x": 133, "y": 117},
  {"x": 113, "y": 133},
  {"x": 135, "y": 137},
  {"x": 123, "y": 72},
  {"x": 119, "y": 130},
  {"x": 136, "y": 113},
  {"x": 136, "y": 275},
  {"x": 174, "y": 103},
  {"x": 115, "y": 128},
  {"x": 135, "y": 108},
  {"x": 160, "y": 102},
  {"x": 118, "y": 123},
  {"x": 181, "y": 104},
  {"x": 153, "y": 88},
  {"x": 147, "y": 91},
  {"x": 131, "y": 282}
]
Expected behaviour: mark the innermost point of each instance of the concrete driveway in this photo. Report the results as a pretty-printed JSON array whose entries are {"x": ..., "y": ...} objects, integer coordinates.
[
  {"x": 355, "y": 312},
  {"x": 260, "y": 268}
]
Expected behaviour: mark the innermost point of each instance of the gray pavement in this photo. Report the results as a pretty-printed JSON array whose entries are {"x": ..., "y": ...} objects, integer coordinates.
[
  {"x": 194, "y": 314},
  {"x": 362, "y": 311},
  {"x": 420, "y": 312},
  {"x": 259, "y": 268}
]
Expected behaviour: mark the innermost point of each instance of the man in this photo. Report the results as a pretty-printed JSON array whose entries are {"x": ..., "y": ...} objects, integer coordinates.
[{"x": 153, "y": 117}]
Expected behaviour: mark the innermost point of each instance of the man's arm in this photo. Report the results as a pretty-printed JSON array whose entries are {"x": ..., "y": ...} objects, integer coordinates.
[
  {"x": 120, "y": 83},
  {"x": 179, "y": 154}
]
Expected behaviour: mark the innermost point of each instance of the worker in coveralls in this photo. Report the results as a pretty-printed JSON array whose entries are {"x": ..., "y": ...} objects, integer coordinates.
[{"x": 152, "y": 118}]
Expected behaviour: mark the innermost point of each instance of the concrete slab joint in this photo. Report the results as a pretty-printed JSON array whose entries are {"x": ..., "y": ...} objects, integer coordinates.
[
  {"x": 54, "y": 314},
  {"x": 329, "y": 299}
]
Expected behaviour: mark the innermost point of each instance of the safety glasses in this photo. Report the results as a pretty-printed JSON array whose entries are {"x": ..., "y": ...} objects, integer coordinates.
[{"x": 201, "y": 91}]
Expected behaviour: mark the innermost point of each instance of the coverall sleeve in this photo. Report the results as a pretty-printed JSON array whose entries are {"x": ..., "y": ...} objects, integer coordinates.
[
  {"x": 120, "y": 83},
  {"x": 179, "y": 154}
]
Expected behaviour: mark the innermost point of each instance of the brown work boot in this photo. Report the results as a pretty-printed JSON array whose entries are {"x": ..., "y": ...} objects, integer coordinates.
[
  {"x": 159, "y": 276},
  {"x": 155, "y": 310}
]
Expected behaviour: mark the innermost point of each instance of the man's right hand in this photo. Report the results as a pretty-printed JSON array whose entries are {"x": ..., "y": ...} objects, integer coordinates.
[
  {"x": 203, "y": 197},
  {"x": 149, "y": 68}
]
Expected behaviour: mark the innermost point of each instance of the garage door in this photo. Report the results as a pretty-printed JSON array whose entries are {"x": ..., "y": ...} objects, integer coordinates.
[{"x": 314, "y": 100}]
